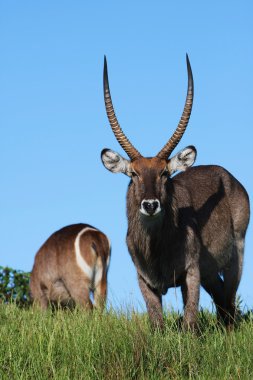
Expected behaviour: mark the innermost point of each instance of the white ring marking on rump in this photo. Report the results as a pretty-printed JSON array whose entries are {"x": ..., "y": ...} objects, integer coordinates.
[{"x": 87, "y": 269}]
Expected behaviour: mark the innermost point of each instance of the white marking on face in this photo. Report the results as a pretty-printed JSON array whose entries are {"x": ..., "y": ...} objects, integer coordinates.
[
  {"x": 144, "y": 212},
  {"x": 87, "y": 269}
]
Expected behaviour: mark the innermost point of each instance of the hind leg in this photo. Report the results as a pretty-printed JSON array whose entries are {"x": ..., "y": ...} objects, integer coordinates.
[
  {"x": 100, "y": 293},
  {"x": 79, "y": 292},
  {"x": 214, "y": 286},
  {"x": 41, "y": 301},
  {"x": 81, "y": 297},
  {"x": 38, "y": 294},
  {"x": 232, "y": 276}
]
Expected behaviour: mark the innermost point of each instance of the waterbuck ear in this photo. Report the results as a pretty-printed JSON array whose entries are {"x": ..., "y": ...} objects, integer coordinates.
[
  {"x": 114, "y": 162},
  {"x": 182, "y": 160}
]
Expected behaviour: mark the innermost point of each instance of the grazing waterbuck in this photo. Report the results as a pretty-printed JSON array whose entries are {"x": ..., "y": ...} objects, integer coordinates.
[
  {"x": 72, "y": 263},
  {"x": 184, "y": 230}
]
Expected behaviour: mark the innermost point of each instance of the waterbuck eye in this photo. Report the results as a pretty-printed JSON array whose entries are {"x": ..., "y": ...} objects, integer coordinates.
[{"x": 134, "y": 174}]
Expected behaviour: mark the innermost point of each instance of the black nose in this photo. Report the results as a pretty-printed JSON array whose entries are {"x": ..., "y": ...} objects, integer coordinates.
[{"x": 150, "y": 206}]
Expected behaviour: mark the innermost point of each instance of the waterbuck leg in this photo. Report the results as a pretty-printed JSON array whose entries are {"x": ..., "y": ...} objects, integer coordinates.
[
  {"x": 43, "y": 301},
  {"x": 153, "y": 303},
  {"x": 214, "y": 286},
  {"x": 232, "y": 277},
  {"x": 80, "y": 293},
  {"x": 190, "y": 293},
  {"x": 38, "y": 292},
  {"x": 100, "y": 293}
]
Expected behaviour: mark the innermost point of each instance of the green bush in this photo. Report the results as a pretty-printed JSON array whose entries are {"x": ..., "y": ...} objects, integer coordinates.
[{"x": 14, "y": 286}]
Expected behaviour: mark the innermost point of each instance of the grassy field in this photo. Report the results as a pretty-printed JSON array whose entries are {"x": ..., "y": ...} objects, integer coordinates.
[{"x": 76, "y": 345}]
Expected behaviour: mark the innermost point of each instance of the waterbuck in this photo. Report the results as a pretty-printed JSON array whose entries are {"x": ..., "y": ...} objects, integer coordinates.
[
  {"x": 184, "y": 230},
  {"x": 72, "y": 263}
]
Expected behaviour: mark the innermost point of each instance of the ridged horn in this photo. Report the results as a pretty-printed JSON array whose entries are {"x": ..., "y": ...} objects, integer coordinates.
[
  {"x": 177, "y": 135},
  {"x": 119, "y": 134}
]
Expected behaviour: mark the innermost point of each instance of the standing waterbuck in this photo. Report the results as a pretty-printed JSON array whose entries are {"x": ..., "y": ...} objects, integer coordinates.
[
  {"x": 72, "y": 263},
  {"x": 184, "y": 230}
]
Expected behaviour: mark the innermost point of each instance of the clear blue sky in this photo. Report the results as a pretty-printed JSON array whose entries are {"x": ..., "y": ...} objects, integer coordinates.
[{"x": 53, "y": 123}]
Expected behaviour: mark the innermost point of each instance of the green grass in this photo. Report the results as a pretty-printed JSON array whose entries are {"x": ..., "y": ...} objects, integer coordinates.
[{"x": 78, "y": 345}]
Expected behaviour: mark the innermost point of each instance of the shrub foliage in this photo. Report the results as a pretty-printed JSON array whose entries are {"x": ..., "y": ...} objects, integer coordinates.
[{"x": 14, "y": 286}]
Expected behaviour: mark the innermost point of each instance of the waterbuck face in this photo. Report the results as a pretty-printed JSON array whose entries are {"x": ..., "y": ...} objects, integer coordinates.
[{"x": 149, "y": 176}]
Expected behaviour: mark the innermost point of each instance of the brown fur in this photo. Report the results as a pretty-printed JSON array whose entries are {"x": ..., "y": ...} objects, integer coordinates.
[{"x": 56, "y": 276}]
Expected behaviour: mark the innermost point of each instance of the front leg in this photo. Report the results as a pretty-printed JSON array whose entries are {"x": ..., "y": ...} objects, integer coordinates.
[
  {"x": 190, "y": 292},
  {"x": 153, "y": 301}
]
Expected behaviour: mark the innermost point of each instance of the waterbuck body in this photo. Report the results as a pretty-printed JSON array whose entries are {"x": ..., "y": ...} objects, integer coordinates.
[
  {"x": 183, "y": 230},
  {"x": 72, "y": 263},
  {"x": 196, "y": 238}
]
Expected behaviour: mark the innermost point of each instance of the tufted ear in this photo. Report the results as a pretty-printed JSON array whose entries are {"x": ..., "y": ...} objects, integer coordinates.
[
  {"x": 114, "y": 162},
  {"x": 182, "y": 160}
]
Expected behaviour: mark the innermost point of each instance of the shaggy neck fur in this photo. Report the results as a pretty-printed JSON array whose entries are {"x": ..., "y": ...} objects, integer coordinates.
[{"x": 148, "y": 237}]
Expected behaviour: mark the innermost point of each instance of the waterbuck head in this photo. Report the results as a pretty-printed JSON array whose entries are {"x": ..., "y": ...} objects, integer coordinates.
[{"x": 149, "y": 175}]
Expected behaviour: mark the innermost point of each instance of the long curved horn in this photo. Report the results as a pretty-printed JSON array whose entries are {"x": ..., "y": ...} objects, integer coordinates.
[
  {"x": 177, "y": 135},
  {"x": 119, "y": 134}
]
